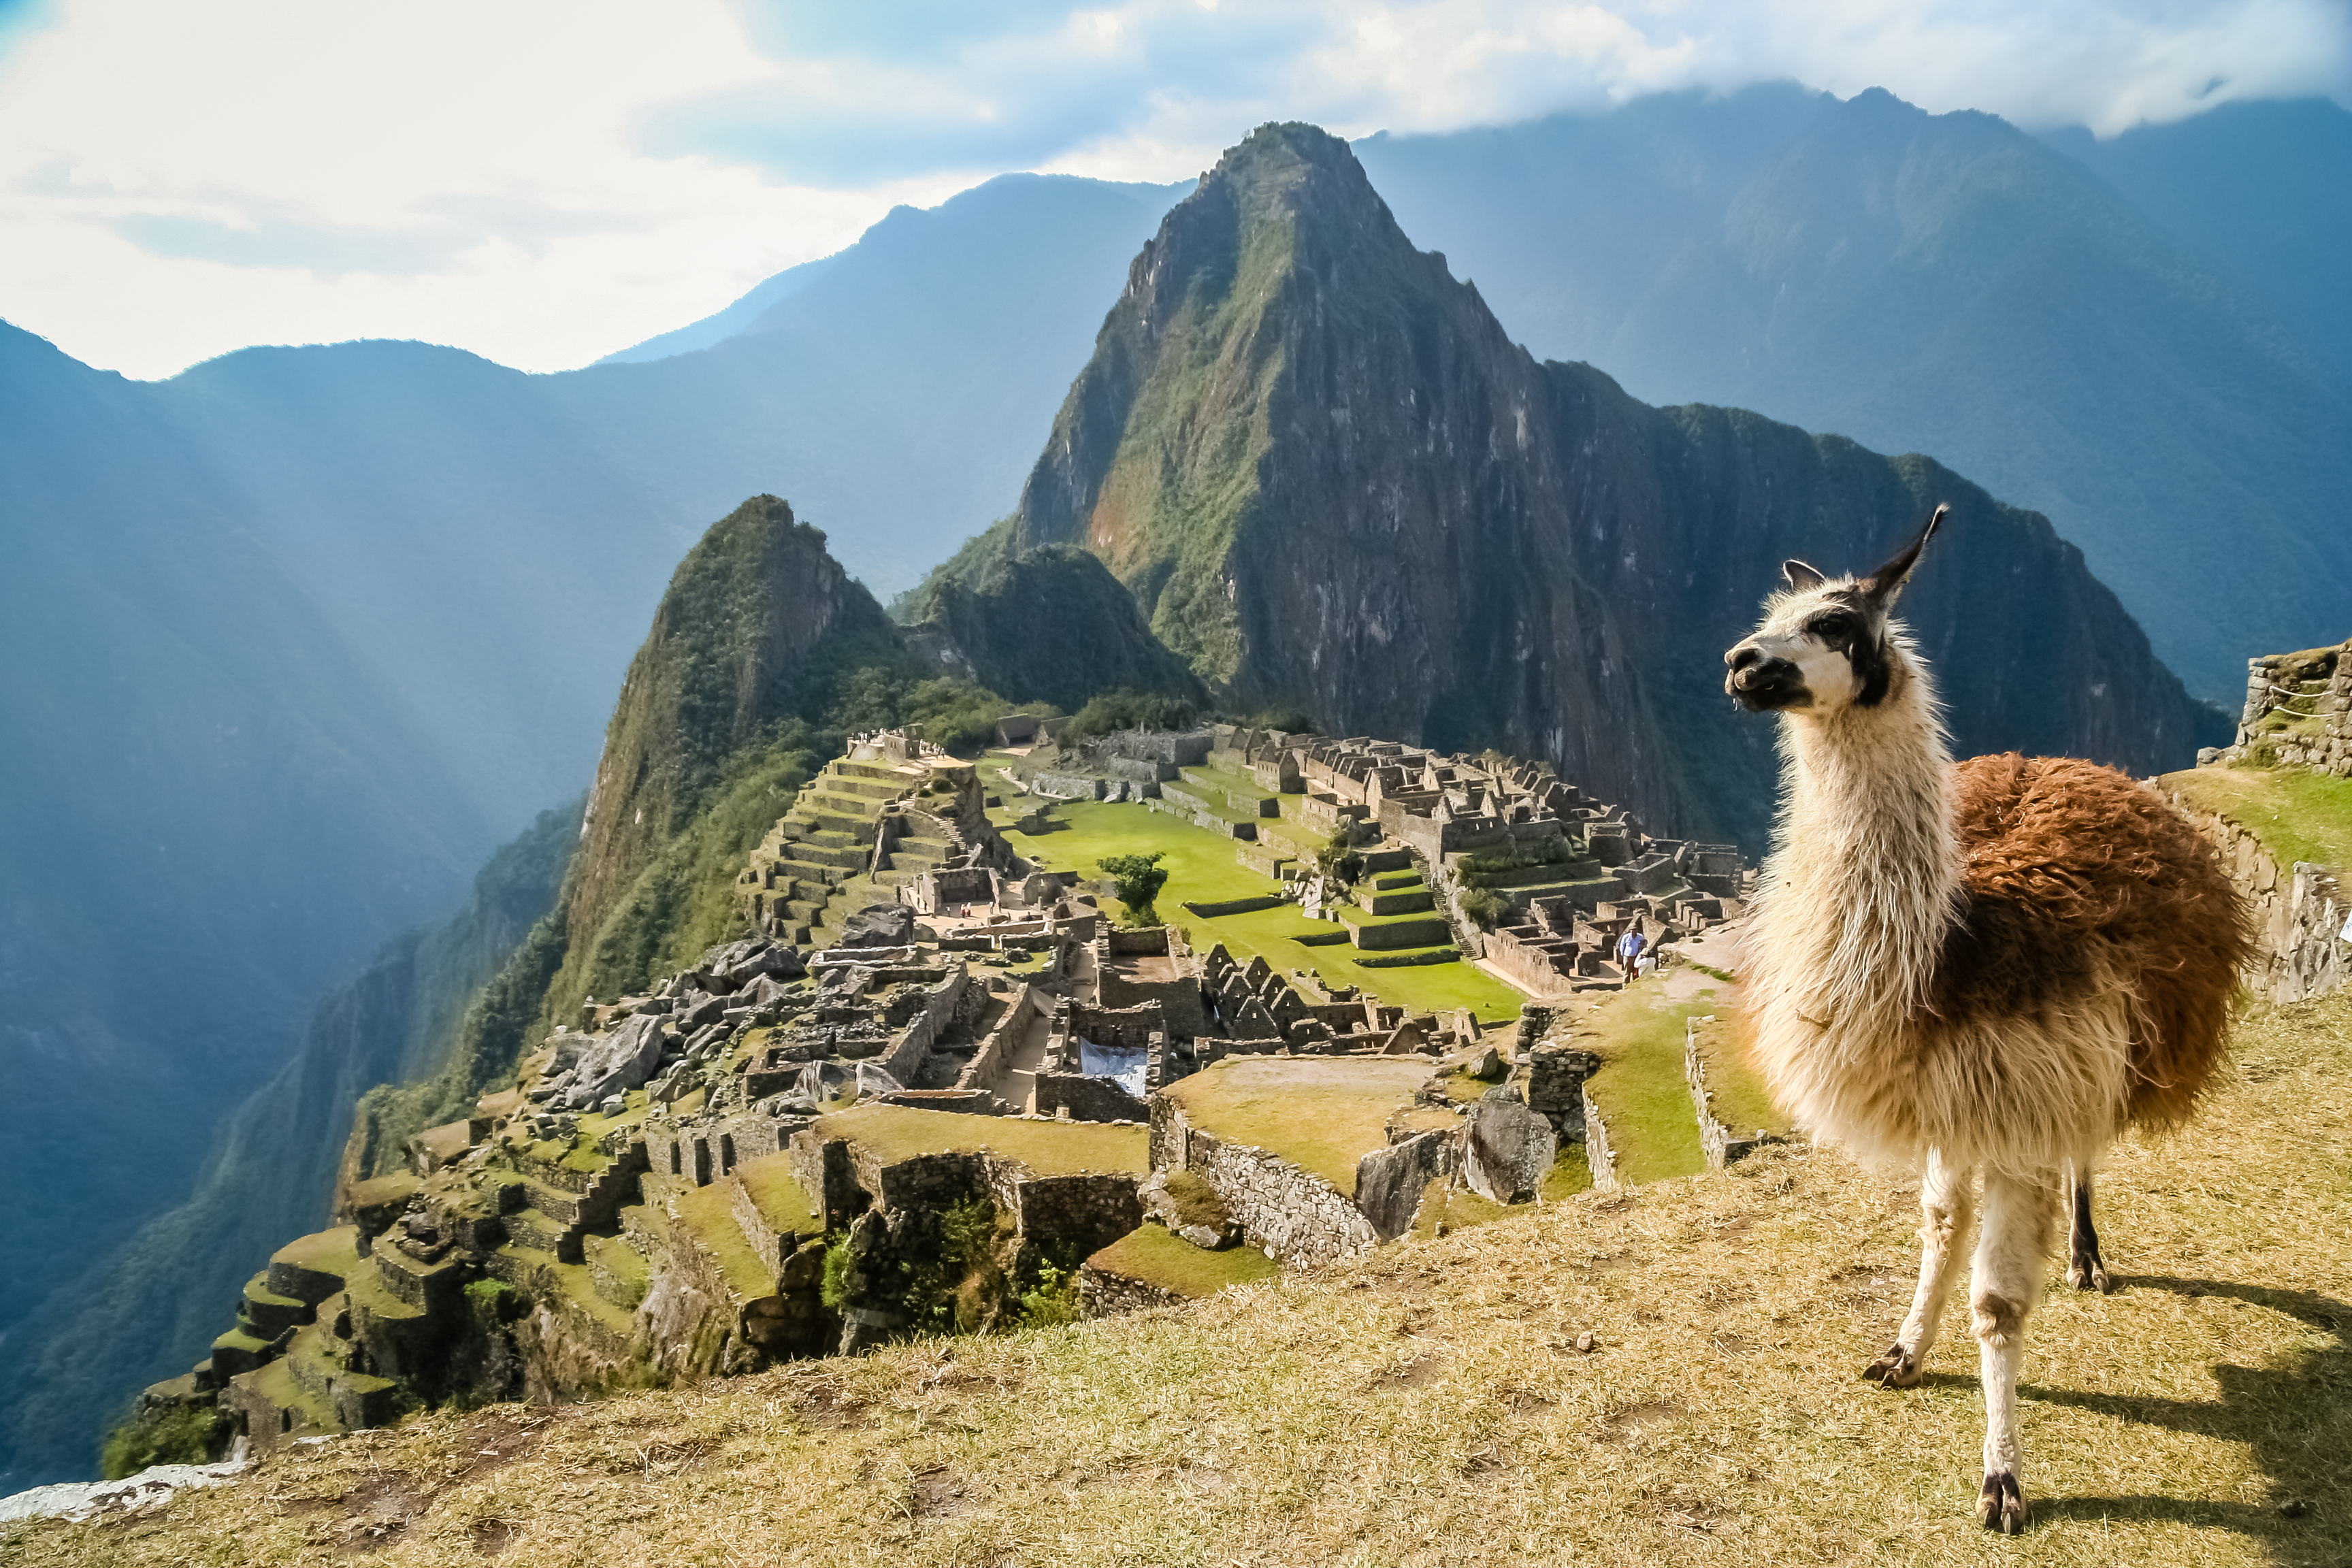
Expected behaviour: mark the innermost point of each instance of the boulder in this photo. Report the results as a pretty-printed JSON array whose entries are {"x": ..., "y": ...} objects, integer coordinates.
[
  {"x": 1508, "y": 1151},
  {"x": 1389, "y": 1182},
  {"x": 820, "y": 1081},
  {"x": 880, "y": 925},
  {"x": 616, "y": 1063}
]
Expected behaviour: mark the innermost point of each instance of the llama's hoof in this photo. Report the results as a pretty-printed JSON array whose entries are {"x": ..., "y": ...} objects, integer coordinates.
[
  {"x": 2089, "y": 1274},
  {"x": 2001, "y": 1505},
  {"x": 1897, "y": 1368}
]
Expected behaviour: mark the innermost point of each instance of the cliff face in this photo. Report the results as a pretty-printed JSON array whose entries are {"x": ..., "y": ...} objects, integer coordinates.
[{"x": 1332, "y": 481}]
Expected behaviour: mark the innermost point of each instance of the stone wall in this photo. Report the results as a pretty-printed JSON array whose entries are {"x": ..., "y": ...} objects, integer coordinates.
[
  {"x": 1103, "y": 1294},
  {"x": 2299, "y": 913},
  {"x": 1300, "y": 1219},
  {"x": 1075, "y": 1217},
  {"x": 1597, "y": 1154},
  {"x": 1721, "y": 1144},
  {"x": 2300, "y": 704},
  {"x": 1087, "y": 1099}
]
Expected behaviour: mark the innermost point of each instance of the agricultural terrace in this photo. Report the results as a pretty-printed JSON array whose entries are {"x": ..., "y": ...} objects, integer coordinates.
[
  {"x": 1641, "y": 1090},
  {"x": 2297, "y": 814},
  {"x": 894, "y": 1133},
  {"x": 1156, "y": 1256},
  {"x": 1320, "y": 1113},
  {"x": 1203, "y": 868}
]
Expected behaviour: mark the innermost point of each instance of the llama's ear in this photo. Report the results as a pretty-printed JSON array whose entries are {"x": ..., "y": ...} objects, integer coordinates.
[
  {"x": 1884, "y": 585},
  {"x": 1800, "y": 576}
]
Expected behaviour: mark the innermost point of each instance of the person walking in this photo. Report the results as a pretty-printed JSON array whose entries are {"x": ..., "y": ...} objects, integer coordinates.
[{"x": 1629, "y": 950}]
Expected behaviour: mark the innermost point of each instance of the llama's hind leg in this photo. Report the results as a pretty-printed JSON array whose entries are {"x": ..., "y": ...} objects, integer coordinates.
[
  {"x": 2085, "y": 1269},
  {"x": 1945, "y": 1207},
  {"x": 2008, "y": 1281}
]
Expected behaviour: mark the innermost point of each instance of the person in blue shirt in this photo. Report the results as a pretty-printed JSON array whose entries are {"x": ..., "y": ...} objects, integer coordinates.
[{"x": 1629, "y": 949}]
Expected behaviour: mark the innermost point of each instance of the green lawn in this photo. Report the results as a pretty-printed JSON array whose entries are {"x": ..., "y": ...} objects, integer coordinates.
[
  {"x": 2298, "y": 814},
  {"x": 1155, "y": 1255},
  {"x": 1203, "y": 869},
  {"x": 334, "y": 1252},
  {"x": 1321, "y": 1113},
  {"x": 1640, "y": 1089},
  {"x": 894, "y": 1133}
]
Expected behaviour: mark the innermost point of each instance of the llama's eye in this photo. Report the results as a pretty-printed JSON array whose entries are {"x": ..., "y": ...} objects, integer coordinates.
[{"x": 1835, "y": 625}]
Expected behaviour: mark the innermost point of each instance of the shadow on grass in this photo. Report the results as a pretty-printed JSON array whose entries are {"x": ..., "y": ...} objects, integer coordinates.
[{"x": 2293, "y": 1415}]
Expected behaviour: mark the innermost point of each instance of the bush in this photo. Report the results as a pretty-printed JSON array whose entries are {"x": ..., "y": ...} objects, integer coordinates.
[
  {"x": 176, "y": 1435},
  {"x": 1054, "y": 1301},
  {"x": 1484, "y": 907},
  {"x": 1338, "y": 859}
]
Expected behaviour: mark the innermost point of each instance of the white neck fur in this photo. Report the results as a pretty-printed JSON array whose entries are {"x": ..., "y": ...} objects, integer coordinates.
[{"x": 1861, "y": 883}]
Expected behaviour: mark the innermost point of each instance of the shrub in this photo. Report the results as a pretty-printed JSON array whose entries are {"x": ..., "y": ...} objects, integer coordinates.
[
  {"x": 175, "y": 1435},
  {"x": 1054, "y": 1301},
  {"x": 1137, "y": 879},
  {"x": 1338, "y": 859},
  {"x": 1124, "y": 710},
  {"x": 1486, "y": 907}
]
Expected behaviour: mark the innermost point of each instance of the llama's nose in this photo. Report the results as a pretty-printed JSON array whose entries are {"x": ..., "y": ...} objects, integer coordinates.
[{"x": 1743, "y": 655}]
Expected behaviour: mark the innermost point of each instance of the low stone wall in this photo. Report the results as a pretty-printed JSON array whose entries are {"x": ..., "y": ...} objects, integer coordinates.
[
  {"x": 1087, "y": 1099},
  {"x": 1214, "y": 908},
  {"x": 2318, "y": 732},
  {"x": 1597, "y": 1154},
  {"x": 1103, "y": 1294},
  {"x": 2299, "y": 913},
  {"x": 1381, "y": 936},
  {"x": 1721, "y": 1144}
]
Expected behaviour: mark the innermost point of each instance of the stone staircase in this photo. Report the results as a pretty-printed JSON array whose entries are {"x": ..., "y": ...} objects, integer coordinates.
[{"x": 792, "y": 888}]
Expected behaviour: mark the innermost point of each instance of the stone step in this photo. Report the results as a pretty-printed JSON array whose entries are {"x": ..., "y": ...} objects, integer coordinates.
[
  {"x": 557, "y": 1205},
  {"x": 1403, "y": 901},
  {"x": 859, "y": 829}
]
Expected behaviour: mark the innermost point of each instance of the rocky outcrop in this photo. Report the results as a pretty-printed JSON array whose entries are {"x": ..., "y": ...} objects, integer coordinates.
[{"x": 1333, "y": 482}]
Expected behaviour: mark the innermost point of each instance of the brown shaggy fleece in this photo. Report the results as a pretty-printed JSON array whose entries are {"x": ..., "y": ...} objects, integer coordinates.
[{"x": 2073, "y": 875}]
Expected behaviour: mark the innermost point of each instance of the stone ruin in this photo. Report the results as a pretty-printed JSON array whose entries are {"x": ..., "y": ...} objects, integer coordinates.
[{"x": 922, "y": 1025}]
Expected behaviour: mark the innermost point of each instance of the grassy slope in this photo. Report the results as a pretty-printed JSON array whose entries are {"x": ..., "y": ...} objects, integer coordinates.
[
  {"x": 1641, "y": 1090},
  {"x": 1424, "y": 1406},
  {"x": 1203, "y": 869},
  {"x": 2298, "y": 814},
  {"x": 1741, "y": 1102}
]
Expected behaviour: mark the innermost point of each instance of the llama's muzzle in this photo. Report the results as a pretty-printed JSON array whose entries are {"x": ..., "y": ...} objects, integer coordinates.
[{"x": 1762, "y": 683}]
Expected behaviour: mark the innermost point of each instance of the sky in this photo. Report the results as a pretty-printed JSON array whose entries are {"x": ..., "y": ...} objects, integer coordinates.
[{"x": 544, "y": 182}]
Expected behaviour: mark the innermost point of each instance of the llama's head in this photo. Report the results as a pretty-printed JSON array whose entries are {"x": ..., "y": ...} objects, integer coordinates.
[{"x": 1825, "y": 645}]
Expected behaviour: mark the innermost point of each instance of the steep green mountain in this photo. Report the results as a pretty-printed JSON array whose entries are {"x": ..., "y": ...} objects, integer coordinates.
[
  {"x": 293, "y": 640},
  {"x": 1950, "y": 284},
  {"x": 114, "y": 1320},
  {"x": 1331, "y": 480}
]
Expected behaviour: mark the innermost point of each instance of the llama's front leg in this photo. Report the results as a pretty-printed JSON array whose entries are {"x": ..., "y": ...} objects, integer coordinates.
[
  {"x": 1945, "y": 1207},
  {"x": 2085, "y": 1269},
  {"x": 2008, "y": 1279}
]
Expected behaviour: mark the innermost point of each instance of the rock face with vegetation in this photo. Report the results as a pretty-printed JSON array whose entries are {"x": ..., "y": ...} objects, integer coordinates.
[{"x": 1331, "y": 480}]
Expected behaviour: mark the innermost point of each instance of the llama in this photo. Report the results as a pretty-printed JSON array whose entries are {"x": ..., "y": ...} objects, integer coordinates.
[{"x": 1991, "y": 968}]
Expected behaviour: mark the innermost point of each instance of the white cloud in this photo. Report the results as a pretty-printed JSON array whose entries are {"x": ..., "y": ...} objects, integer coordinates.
[{"x": 542, "y": 182}]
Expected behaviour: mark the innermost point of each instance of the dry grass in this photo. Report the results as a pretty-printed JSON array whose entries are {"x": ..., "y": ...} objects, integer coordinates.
[{"x": 1427, "y": 1406}]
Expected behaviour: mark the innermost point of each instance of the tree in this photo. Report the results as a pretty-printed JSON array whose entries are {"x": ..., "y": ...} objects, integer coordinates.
[{"x": 1137, "y": 879}]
